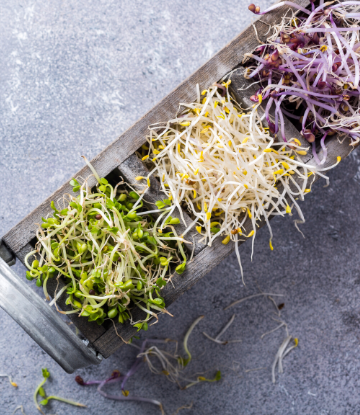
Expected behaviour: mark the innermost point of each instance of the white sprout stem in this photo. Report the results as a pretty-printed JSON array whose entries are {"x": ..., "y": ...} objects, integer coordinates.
[
  {"x": 91, "y": 168},
  {"x": 187, "y": 335},
  {"x": 214, "y": 340},
  {"x": 278, "y": 356},
  {"x": 272, "y": 331},
  {"x": 225, "y": 328},
  {"x": 250, "y": 297}
]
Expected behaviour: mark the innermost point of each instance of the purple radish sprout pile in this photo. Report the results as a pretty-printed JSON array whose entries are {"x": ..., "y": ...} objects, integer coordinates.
[{"x": 309, "y": 71}]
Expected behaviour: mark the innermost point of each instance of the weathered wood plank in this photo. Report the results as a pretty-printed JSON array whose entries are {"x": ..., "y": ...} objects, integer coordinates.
[
  {"x": 112, "y": 156},
  {"x": 133, "y": 167}
]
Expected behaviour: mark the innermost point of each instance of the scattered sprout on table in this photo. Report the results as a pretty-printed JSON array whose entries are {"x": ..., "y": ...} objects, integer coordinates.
[
  {"x": 19, "y": 408},
  {"x": 168, "y": 363},
  {"x": 281, "y": 353},
  {"x": 41, "y": 392},
  {"x": 222, "y": 331},
  {"x": 10, "y": 380}
]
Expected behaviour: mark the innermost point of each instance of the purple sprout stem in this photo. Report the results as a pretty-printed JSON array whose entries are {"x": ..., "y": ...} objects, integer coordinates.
[
  {"x": 256, "y": 71},
  {"x": 339, "y": 39},
  {"x": 282, "y": 123},
  {"x": 257, "y": 58},
  {"x": 306, "y": 113},
  {"x": 312, "y": 14},
  {"x": 314, "y": 153},
  {"x": 307, "y": 99},
  {"x": 294, "y": 90},
  {"x": 126, "y": 398},
  {"x": 288, "y": 114},
  {"x": 276, "y": 122},
  {"x": 355, "y": 60},
  {"x": 322, "y": 143},
  {"x": 329, "y": 29},
  {"x": 138, "y": 361}
]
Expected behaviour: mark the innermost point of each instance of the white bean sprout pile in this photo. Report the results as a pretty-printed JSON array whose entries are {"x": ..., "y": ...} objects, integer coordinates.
[{"x": 224, "y": 166}]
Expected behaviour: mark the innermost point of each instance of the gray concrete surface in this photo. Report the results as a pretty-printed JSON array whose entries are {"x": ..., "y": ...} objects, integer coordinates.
[{"x": 74, "y": 75}]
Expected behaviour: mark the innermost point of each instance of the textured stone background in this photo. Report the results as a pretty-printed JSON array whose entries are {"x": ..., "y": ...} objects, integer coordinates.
[{"x": 73, "y": 76}]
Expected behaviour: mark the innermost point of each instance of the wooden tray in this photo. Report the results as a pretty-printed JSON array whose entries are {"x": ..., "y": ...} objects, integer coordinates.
[{"x": 119, "y": 159}]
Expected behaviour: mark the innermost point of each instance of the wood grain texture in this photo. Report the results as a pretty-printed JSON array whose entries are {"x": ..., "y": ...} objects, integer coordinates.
[{"x": 133, "y": 167}]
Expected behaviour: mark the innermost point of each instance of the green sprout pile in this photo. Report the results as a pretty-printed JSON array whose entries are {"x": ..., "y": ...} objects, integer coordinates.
[{"x": 112, "y": 250}]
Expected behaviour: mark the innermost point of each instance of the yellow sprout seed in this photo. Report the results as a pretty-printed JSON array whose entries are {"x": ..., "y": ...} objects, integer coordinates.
[{"x": 226, "y": 240}]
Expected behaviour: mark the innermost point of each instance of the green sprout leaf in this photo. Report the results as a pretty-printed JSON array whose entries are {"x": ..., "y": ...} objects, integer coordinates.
[
  {"x": 110, "y": 204},
  {"x": 56, "y": 212},
  {"x": 138, "y": 326},
  {"x": 102, "y": 188},
  {"x": 134, "y": 195},
  {"x": 75, "y": 184},
  {"x": 103, "y": 181},
  {"x": 216, "y": 378},
  {"x": 76, "y": 206},
  {"x": 45, "y": 373},
  {"x": 113, "y": 230},
  {"x": 180, "y": 268},
  {"x": 42, "y": 392},
  {"x": 160, "y": 282},
  {"x": 160, "y": 204}
]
